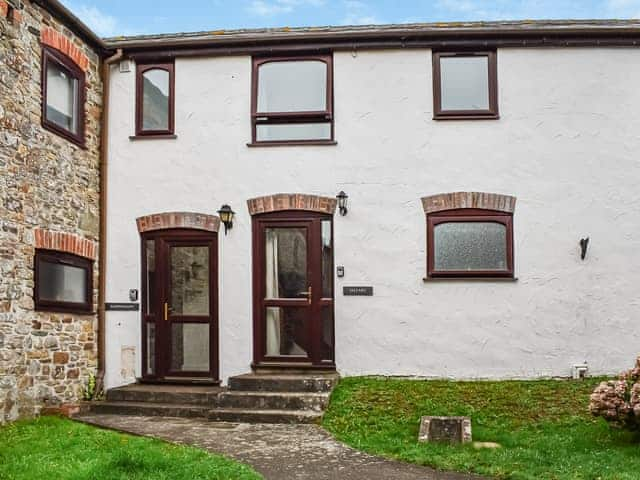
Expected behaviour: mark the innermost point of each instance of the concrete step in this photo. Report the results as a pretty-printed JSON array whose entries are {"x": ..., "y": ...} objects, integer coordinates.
[
  {"x": 240, "y": 415},
  {"x": 253, "y": 382},
  {"x": 316, "y": 402},
  {"x": 193, "y": 395},
  {"x": 149, "y": 409}
]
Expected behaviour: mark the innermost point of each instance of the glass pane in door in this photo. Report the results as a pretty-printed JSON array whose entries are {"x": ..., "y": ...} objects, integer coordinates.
[
  {"x": 189, "y": 281},
  {"x": 190, "y": 347},
  {"x": 286, "y": 262},
  {"x": 287, "y": 331}
]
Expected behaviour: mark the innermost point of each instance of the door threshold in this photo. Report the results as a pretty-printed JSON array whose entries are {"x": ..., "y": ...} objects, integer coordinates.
[
  {"x": 179, "y": 381},
  {"x": 291, "y": 367}
]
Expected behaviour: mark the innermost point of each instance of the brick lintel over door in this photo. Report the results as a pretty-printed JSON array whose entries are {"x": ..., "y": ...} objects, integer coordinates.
[
  {"x": 168, "y": 220},
  {"x": 457, "y": 200},
  {"x": 65, "y": 242},
  {"x": 291, "y": 201}
]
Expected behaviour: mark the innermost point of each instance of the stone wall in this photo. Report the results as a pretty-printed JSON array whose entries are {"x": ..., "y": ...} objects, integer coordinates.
[{"x": 47, "y": 184}]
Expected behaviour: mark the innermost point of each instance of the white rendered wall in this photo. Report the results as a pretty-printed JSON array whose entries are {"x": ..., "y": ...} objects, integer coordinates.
[{"x": 566, "y": 146}]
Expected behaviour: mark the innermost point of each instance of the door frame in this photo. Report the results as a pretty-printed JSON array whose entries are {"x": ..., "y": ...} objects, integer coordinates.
[
  {"x": 286, "y": 218},
  {"x": 162, "y": 241}
]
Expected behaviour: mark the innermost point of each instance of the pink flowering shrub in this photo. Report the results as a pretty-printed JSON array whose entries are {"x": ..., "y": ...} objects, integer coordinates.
[{"x": 618, "y": 401}]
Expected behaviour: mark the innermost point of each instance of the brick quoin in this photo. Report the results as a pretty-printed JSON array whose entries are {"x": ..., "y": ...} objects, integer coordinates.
[
  {"x": 56, "y": 40},
  {"x": 4, "y": 9},
  {"x": 291, "y": 201},
  {"x": 456, "y": 200},
  {"x": 65, "y": 242}
]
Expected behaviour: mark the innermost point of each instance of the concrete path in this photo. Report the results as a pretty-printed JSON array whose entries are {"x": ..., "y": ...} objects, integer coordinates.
[{"x": 278, "y": 452}]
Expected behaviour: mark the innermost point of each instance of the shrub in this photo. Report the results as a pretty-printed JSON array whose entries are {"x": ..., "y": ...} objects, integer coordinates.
[{"x": 618, "y": 401}]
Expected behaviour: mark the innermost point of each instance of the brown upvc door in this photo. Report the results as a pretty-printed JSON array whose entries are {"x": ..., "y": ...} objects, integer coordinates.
[
  {"x": 293, "y": 290},
  {"x": 180, "y": 306}
]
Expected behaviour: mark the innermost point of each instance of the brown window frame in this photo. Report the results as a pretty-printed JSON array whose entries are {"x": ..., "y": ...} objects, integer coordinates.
[
  {"x": 141, "y": 68},
  {"x": 274, "y": 118},
  {"x": 61, "y": 61},
  {"x": 470, "y": 215},
  {"x": 491, "y": 114},
  {"x": 69, "y": 259}
]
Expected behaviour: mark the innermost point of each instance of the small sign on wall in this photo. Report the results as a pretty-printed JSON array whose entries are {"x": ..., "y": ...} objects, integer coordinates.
[
  {"x": 357, "y": 291},
  {"x": 122, "y": 307}
]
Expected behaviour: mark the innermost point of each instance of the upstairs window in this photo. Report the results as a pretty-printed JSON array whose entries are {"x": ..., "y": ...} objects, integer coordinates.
[
  {"x": 465, "y": 85},
  {"x": 470, "y": 243},
  {"x": 155, "y": 99},
  {"x": 292, "y": 100},
  {"x": 63, "y": 282},
  {"x": 63, "y": 96}
]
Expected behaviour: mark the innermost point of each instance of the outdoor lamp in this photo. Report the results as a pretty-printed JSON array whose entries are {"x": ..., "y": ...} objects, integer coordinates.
[
  {"x": 226, "y": 216},
  {"x": 342, "y": 202}
]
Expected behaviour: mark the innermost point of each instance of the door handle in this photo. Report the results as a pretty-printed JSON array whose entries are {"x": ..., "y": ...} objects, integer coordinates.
[
  {"x": 166, "y": 311},
  {"x": 307, "y": 294}
]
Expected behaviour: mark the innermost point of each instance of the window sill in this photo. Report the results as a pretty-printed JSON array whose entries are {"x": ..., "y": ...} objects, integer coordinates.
[
  {"x": 470, "y": 279},
  {"x": 292, "y": 143},
  {"x": 60, "y": 132},
  {"x": 134, "y": 138},
  {"x": 482, "y": 116}
]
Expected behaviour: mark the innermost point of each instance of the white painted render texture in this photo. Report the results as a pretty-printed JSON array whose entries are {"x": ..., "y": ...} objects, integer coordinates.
[{"x": 566, "y": 145}]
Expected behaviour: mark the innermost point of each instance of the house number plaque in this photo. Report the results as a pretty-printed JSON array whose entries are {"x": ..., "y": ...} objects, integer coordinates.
[
  {"x": 357, "y": 291},
  {"x": 122, "y": 307}
]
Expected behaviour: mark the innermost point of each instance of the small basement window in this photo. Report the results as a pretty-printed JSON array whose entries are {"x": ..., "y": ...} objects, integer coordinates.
[
  {"x": 63, "y": 282},
  {"x": 292, "y": 100},
  {"x": 155, "y": 99},
  {"x": 63, "y": 94},
  {"x": 465, "y": 85},
  {"x": 470, "y": 243}
]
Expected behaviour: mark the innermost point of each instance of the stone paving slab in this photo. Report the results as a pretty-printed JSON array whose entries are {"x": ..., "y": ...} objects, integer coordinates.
[{"x": 278, "y": 452}]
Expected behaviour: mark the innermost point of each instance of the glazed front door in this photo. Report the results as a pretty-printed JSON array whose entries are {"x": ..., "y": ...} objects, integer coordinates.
[
  {"x": 181, "y": 305},
  {"x": 293, "y": 290}
]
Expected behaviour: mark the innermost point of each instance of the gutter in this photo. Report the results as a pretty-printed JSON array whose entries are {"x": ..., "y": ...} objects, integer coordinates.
[{"x": 102, "y": 245}]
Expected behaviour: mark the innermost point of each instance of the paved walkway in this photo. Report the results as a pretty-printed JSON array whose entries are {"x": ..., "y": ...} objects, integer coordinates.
[{"x": 278, "y": 452}]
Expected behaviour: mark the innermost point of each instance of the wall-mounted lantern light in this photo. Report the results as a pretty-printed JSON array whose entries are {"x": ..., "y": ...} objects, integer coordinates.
[
  {"x": 226, "y": 216},
  {"x": 342, "y": 202}
]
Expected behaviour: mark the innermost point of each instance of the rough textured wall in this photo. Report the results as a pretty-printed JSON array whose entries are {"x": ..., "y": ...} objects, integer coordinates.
[
  {"x": 566, "y": 146},
  {"x": 49, "y": 183}
]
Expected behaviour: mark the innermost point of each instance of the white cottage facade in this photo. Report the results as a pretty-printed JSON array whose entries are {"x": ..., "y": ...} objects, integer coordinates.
[{"x": 470, "y": 181}]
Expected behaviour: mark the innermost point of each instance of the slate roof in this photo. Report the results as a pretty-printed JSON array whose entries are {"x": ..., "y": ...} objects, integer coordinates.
[{"x": 434, "y": 30}]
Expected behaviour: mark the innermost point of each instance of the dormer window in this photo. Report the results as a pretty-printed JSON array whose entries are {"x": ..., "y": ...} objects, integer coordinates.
[{"x": 292, "y": 100}]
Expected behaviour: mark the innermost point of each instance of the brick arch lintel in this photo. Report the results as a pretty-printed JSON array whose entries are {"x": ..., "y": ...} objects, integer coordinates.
[
  {"x": 66, "y": 242},
  {"x": 291, "y": 201},
  {"x": 168, "y": 220},
  {"x": 457, "y": 200},
  {"x": 54, "y": 39}
]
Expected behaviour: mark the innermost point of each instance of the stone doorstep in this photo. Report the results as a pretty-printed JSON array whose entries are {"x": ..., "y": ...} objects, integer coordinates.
[
  {"x": 283, "y": 383},
  {"x": 195, "y": 395},
  {"x": 150, "y": 409},
  {"x": 239, "y": 415},
  {"x": 316, "y": 402}
]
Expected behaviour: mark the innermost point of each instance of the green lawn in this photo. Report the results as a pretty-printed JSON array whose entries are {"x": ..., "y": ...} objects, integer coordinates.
[
  {"x": 56, "y": 448},
  {"x": 544, "y": 427}
]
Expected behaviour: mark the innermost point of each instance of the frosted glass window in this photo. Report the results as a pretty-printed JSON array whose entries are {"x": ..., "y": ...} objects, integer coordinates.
[
  {"x": 464, "y": 83},
  {"x": 62, "y": 98},
  {"x": 62, "y": 282},
  {"x": 293, "y": 131},
  {"x": 469, "y": 246},
  {"x": 155, "y": 100},
  {"x": 189, "y": 293},
  {"x": 190, "y": 347},
  {"x": 292, "y": 86}
]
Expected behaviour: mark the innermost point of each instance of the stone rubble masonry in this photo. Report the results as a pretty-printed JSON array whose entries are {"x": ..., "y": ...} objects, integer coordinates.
[
  {"x": 452, "y": 201},
  {"x": 291, "y": 201},
  {"x": 49, "y": 192}
]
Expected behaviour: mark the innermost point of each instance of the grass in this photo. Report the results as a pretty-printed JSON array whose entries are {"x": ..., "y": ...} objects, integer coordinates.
[
  {"x": 60, "y": 449},
  {"x": 544, "y": 427}
]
